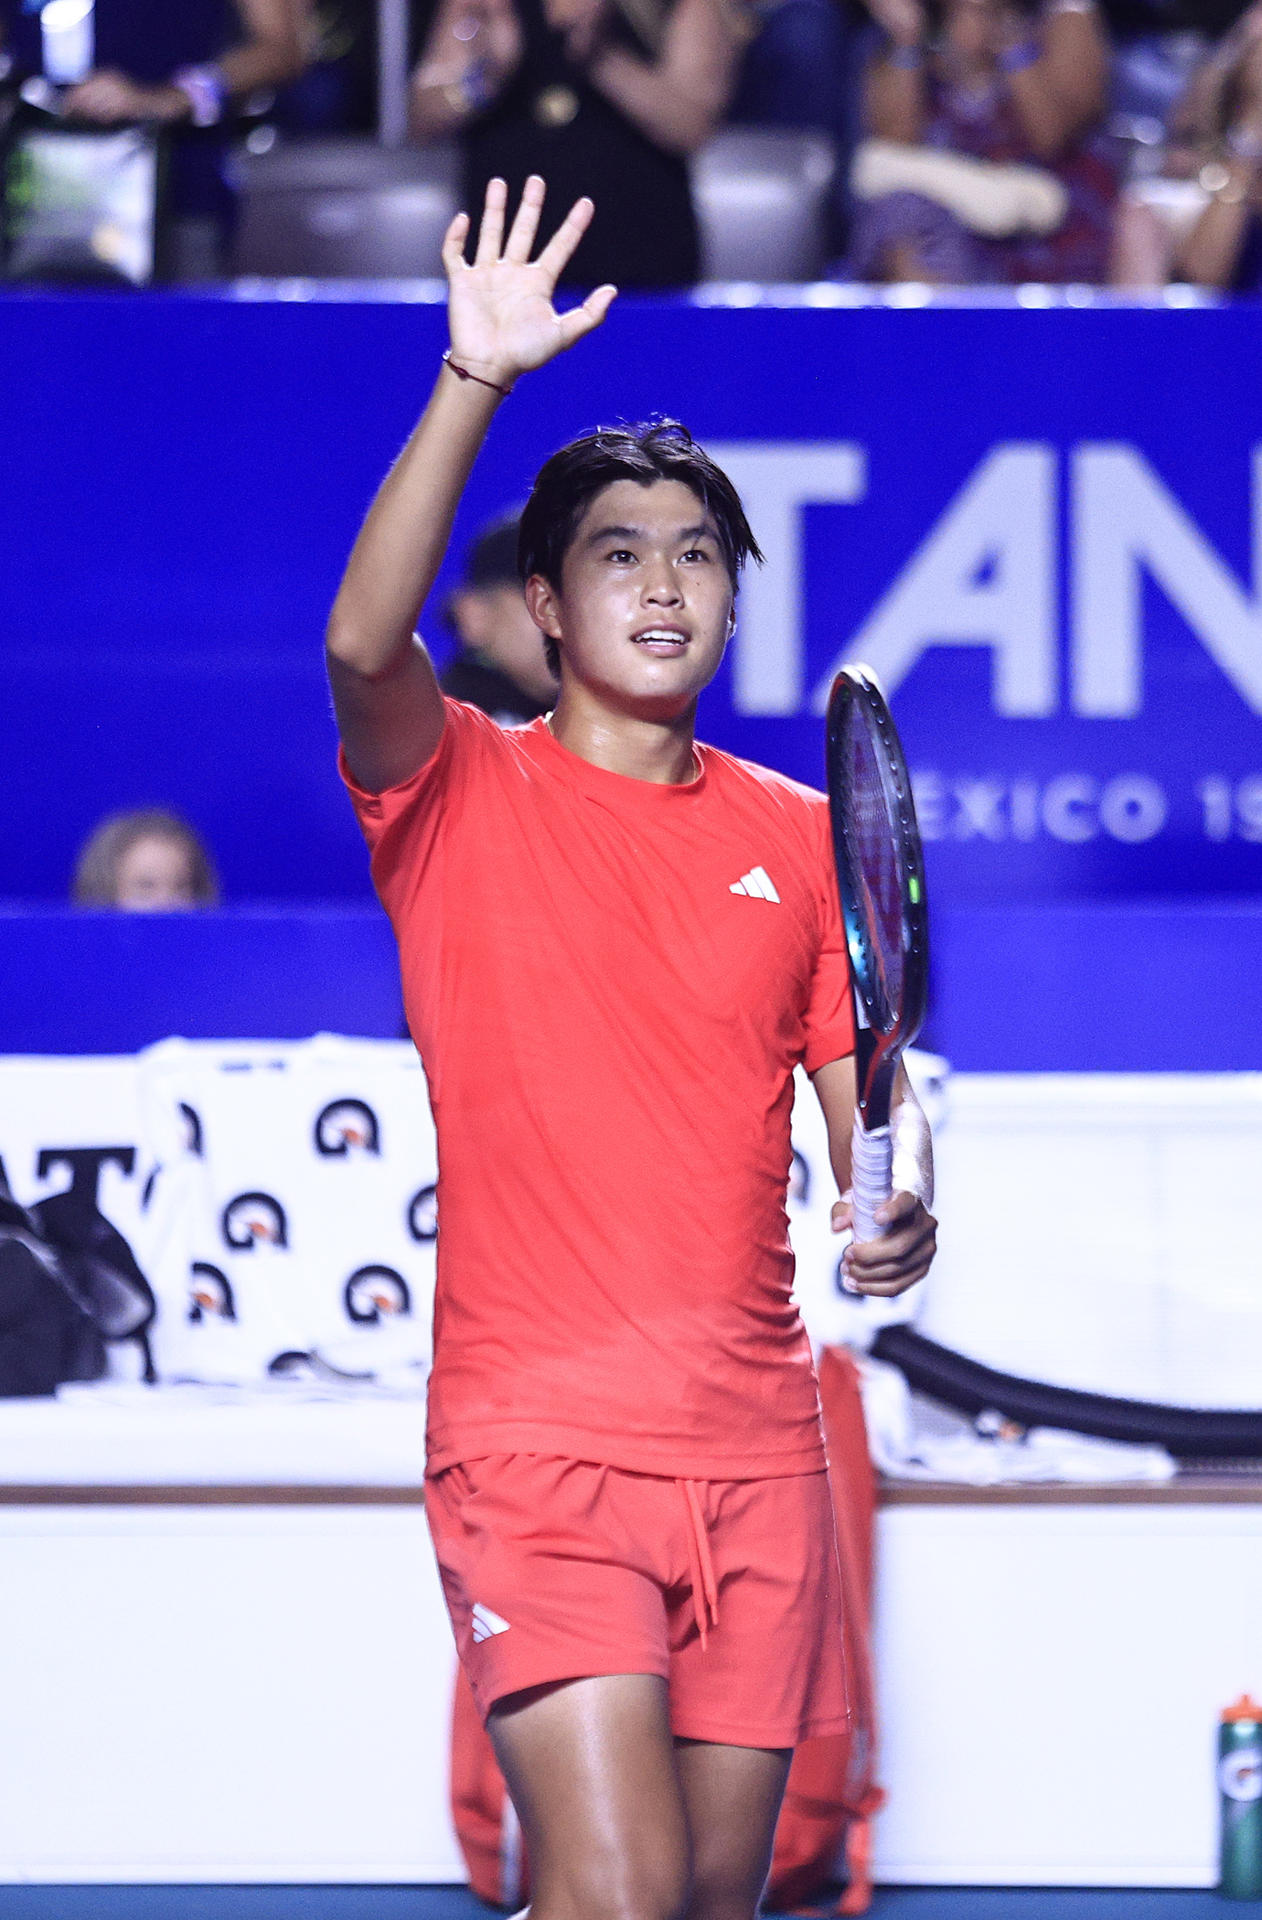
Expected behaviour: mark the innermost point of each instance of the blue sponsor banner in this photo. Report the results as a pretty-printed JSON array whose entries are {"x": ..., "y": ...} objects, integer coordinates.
[
  {"x": 1055, "y": 988},
  {"x": 1043, "y": 527}
]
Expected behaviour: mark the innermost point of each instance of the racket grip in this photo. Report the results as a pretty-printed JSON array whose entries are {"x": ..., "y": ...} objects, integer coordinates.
[{"x": 871, "y": 1176}]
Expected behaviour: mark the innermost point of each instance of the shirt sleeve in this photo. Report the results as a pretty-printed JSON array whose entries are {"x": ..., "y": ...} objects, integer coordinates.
[
  {"x": 830, "y": 1009},
  {"x": 403, "y": 825}
]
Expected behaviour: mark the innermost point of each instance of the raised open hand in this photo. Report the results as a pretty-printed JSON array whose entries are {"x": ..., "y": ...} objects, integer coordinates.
[{"x": 499, "y": 310}]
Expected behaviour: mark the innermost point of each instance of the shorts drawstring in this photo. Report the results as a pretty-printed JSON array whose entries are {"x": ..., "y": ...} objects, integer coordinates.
[{"x": 705, "y": 1591}]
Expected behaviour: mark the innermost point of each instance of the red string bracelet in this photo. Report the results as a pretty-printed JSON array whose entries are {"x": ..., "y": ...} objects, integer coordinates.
[{"x": 463, "y": 373}]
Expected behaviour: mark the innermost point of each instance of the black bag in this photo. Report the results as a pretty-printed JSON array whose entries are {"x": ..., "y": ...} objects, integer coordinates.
[
  {"x": 69, "y": 1284},
  {"x": 45, "y": 1335}
]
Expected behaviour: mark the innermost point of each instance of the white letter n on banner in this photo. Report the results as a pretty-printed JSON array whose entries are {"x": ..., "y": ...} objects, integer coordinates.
[
  {"x": 776, "y": 479},
  {"x": 985, "y": 577},
  {"x": 1126, "y": 524}
]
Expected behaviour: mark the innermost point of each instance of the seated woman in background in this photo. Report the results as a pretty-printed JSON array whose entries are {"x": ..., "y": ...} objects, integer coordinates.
[
  {"x": 984, "y": 162},
  {"x": 601, "y": 97},
  {"x": 1199, "y": 220},
  {"x": 149, "y": 861}
]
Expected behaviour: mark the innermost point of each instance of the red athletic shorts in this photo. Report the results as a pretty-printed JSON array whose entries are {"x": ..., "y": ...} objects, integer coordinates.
[{"x": 729, "y": 1589}]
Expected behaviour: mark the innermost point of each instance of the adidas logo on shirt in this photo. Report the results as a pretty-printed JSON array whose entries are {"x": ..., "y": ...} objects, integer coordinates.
[
  {"x": 757, "y": 884},
  {"x": 485, "y": 1623}
]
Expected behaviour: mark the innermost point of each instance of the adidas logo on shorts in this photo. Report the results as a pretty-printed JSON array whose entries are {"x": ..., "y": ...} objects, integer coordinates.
[{"x": 485, "y": 1623}]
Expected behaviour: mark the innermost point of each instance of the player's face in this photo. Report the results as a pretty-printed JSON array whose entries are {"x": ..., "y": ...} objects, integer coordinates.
[{"x": 644, "y": 608}]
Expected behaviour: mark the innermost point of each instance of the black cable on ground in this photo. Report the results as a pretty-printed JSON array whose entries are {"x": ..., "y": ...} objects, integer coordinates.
[{"x": 1191, "y": 1433}]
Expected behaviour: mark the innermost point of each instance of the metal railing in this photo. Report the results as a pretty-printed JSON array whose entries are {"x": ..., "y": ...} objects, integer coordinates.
[{"x": 392, "y": 72}]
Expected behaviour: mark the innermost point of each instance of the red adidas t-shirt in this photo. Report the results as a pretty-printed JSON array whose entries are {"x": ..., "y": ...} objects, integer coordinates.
[{"x": 610, "y": 983}]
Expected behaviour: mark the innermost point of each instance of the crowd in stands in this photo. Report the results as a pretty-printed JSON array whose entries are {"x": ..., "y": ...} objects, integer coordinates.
[{"x": 1106, "y": 142}]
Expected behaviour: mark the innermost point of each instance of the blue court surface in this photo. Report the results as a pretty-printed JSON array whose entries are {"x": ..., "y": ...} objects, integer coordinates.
[{"x": 457, "y": 1903}]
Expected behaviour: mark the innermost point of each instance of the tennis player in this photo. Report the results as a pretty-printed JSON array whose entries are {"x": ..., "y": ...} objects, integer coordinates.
[{"x": 616, "y": 945}]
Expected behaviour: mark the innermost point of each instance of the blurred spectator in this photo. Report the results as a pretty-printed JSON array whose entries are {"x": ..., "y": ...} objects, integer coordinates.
[
  {"x": 149, "y": 861},
  {"x": 1128, "y": 19},
  {"x": 1199, "y": 218},
  {"x": 801, "y": 69},
  {"x": 1156, "y": 46},
  {"x": 985, "y": 162},
  {"x": 601, "y": 97},
  {"x": 501, "y": 666},
  {"x": 179, "y": 64},
  {"x": 796, "y": 68},
  {"x": 337, "y": 90}
]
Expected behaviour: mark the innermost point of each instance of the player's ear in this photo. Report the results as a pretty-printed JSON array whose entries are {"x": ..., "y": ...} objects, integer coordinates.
[{"x": 543, "y": 606}]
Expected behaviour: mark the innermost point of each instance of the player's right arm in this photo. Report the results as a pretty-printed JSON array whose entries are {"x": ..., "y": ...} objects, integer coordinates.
[{"x": 502, "y": 323}]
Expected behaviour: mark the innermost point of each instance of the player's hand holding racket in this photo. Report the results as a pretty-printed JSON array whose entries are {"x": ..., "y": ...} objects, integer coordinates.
[
  {"x": 500, "y": 309},
  {"x": 881, "y": 881}
]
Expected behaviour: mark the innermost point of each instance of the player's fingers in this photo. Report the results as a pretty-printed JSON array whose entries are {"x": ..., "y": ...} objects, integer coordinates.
[
  {"x": 842, "y": 1215},
  {"x": 491, "y": 231},
  {"x": 453, "y": 243},
  {"x": 559, "y": 250},
  {"x": 897, "y": 1208},
  {"x": 897, "y": 1239},
  {"x": 886, "y": 1289},
  {"x": 521, "y": 235},
  {"x": 581, "y": 320},
  {"x": 874, "y": 1262},
  {"x": 902, "y": 1224},
  {"x": 888, "y": 1260}
]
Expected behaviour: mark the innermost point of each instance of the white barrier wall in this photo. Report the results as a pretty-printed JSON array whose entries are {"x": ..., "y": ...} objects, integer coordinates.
[
  {"x": 1050, "y": 1679},
  {"x": 223, "y": 1694},
  {"x": 238, "y": 1693},
  {"x": 1104, "y": 1231},
  {"x": 254, "y": 1684}
]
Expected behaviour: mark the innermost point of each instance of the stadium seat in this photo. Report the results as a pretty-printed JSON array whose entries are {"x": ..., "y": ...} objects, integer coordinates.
[
  {"x": 346, "y": 208},
  {"x": 762, "y": 201}
]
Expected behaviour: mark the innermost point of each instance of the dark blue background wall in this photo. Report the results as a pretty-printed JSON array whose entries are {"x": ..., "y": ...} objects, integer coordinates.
[
  {"x": 183, "y": 477},
  {"x": 1040, "y": 525}
]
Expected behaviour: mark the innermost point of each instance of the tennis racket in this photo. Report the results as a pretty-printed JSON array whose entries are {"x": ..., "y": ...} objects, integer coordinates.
[{"x": 881, "y": 881}]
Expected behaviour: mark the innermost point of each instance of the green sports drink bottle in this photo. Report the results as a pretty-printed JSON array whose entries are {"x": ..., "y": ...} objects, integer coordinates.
[{"x": 1240, "y": 1801}]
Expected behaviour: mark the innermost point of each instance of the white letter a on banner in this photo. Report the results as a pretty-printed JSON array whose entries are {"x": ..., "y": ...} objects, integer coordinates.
[{"x": 985, "y": 577}]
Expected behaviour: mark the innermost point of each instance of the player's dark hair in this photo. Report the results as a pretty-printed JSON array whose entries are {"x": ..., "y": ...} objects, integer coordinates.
[{"x": 652, "y": 450}]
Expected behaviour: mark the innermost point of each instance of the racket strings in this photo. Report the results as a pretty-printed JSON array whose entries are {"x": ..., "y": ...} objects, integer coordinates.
[
  {"x": 880, "y": 880},
  {"x": 869, "y": 813}
]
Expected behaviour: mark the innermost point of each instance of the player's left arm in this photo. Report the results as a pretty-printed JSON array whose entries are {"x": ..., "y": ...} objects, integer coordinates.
[{"x": 905, "y": 1250}]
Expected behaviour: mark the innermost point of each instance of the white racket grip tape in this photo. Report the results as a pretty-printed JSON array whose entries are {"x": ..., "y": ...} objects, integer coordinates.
[{"x": 871, "y": 1177}]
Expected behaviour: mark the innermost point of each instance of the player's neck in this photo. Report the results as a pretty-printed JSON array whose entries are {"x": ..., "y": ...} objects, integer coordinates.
[{"x": 659, "y": 750}]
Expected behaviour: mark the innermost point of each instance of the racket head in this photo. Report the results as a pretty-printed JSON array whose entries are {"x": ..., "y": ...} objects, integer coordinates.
[{"x": 880, "y": 862}]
